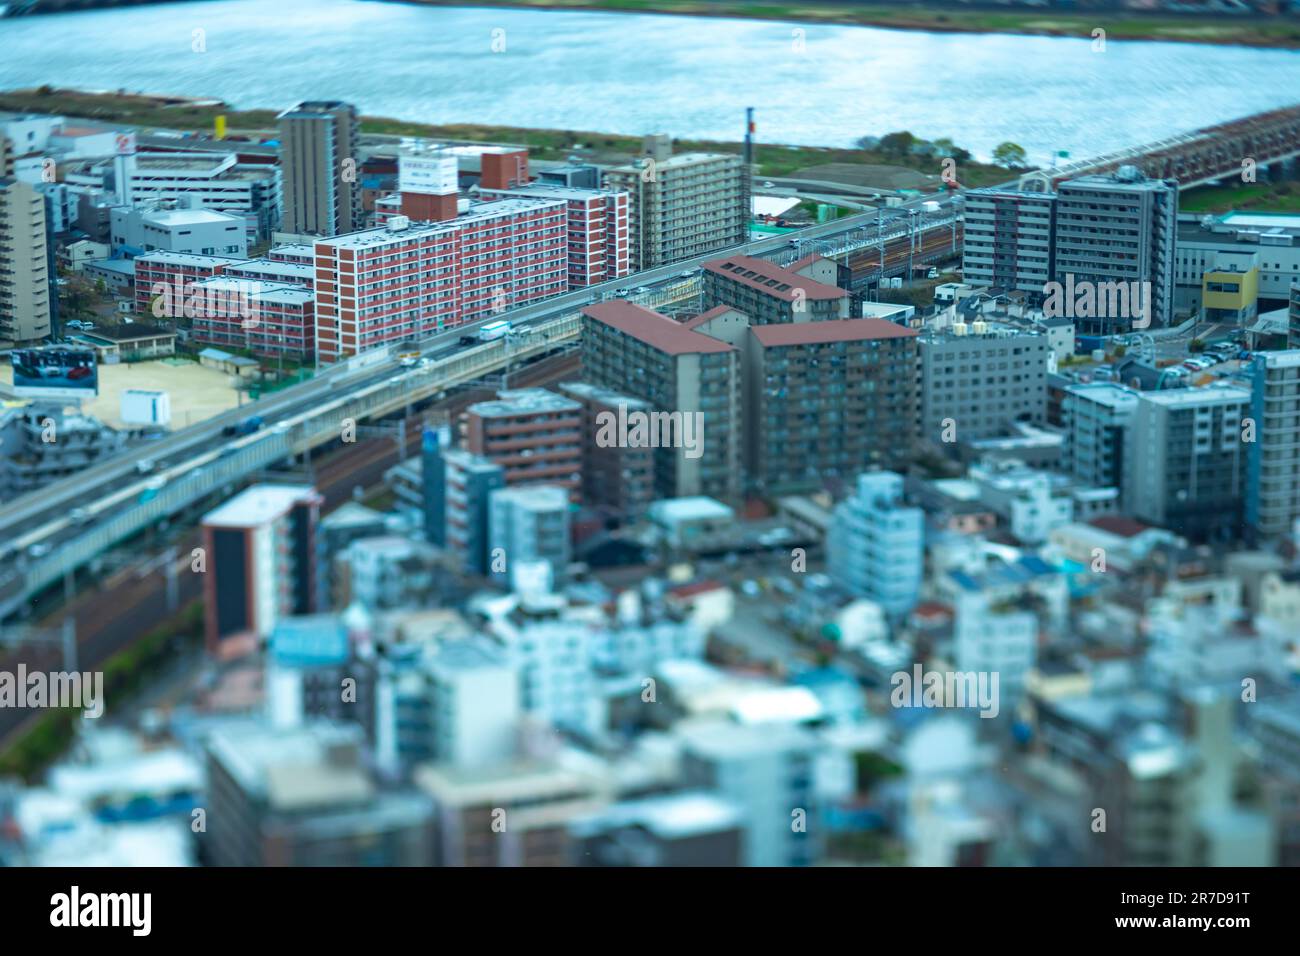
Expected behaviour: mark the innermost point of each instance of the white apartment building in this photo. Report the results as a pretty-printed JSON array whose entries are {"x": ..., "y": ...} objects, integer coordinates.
[
  {"x": 877, "y": 543},
  {"x": 682, "y": 206},
  {"x": 528, "y": 524},
  {"x": 768, "y": 770}
]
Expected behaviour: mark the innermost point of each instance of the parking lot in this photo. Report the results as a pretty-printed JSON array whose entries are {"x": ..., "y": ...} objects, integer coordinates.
[{"x": 196, "y": 392}]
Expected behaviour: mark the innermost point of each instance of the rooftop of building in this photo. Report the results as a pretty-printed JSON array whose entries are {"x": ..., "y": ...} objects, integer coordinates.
[
  {"x": 298, "y": 249},
  {"x": 523, "y": 401},
  {"x": 1125, "y": 177},
  {"x": 585, "y": 391},
  {"x": 1119, "y": 525},
  {"x": 1111, "y": 394},
  {"x": 246, "y": 286},
  {"x": 173, "y": 218},
  {"x": 672, "y": 816},
  {"x": 195, "y": 162},
  {"x": 478, "y": 212},
  {"x": 351, "y": 514},
  {"x": 128, "y": 332},
  {"x": 188, "y": 259},
  {"x": 512, "y": 782},
  {"x": 656, "y": 330},
  {"x": 470, "y": 654},
  {"x": 310, "y": 640},
  {"x": 706, "y": 317},
  {"x": 223, "y": 356},
  {"x": 556, "y": 191},
  {"x": 830, "y": 330},
  {"x": 293, "y": 768},
  {"x": 122, "y": 266},
  {"x": 296, "y": 271},
  {"x": 1205, "y": 395},
  {"x": 286, "y": 295},
  {"x": 726, "y": 740},
  {"x": 695, "y": 508},
  {"x": 466, "y": 460},
  {"x": 534, "y": 497},
  {"x": 676, "y": 161},
  {"x": 1022, "y": 570},
  {"x": 258, "y": 505},
  {"x": 773, "y": 280}
]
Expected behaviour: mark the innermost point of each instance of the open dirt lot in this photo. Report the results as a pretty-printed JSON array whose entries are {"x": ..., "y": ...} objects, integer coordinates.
[{"x": 196, "y": 392}]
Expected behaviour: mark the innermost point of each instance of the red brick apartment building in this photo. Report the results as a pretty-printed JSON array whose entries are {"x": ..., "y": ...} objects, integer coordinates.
[
  {"x": 534, "y": 434},
  {"x": 402, "y": 281}
]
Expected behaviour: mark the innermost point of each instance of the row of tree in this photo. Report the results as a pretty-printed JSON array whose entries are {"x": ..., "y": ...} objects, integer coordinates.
[{"x": 902, "y": 146}]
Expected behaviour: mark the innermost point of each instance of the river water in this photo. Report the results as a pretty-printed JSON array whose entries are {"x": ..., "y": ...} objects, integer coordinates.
[{"x": 636, "y": 73}]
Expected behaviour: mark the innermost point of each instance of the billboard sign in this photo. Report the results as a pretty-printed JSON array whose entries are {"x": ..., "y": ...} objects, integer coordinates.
[
  {"x": 428, "y": 173},
  {"x": 55, "y": 373}
]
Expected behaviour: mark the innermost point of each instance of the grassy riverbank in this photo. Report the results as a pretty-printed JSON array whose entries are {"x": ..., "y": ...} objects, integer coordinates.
[
  {"x": 1282, "y": 32},
  {"x": 773, "y": 160}
]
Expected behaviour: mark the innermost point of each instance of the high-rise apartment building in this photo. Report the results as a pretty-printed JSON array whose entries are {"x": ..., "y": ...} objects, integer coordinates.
[
  {"x": 770, "y": 294},
  {"x": 319, "y": 157},
  {"x": 674, "y": 369},
  {"x": 1007, "y": 239},
  {"x": 469, "y": 482},
  {"x": 827, "y": 400},
  {"x": 1110, "y": 237},
  {"x": 527, "y": 526},
  {"x": 599, "y": 247},
  {"x": 532, "y": 433},
  {"x": 1273, "y": 457},
  {"x": 403, "y": 281},
  {"x": 260, "y": 549},
  {"x": 682, "y": 206},
  {"x": 1189, "y": 460},
  {"x": 876, "y": 543},
  {"x": 25, "y": 306},
  {"x": 1119, "y": 227},
  {"x": 978, "y": 378},
  {"x": 615, "y": 475},
  {"x": 1096, "y": 417}
]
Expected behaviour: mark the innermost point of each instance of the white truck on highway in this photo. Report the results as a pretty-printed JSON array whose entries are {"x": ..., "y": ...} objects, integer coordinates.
[{"x": 493, "y": 330}]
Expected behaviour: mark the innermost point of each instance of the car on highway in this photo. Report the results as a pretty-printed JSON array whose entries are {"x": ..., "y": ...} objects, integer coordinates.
[
  {"x": 144, "y": 466},
  {"x": 769, "y": 184},
  {"x": 244, "y": 427}
]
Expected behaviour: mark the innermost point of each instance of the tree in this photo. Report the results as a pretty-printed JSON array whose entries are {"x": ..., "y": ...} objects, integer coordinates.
[
  {"x": 897, "y": 145},
  {"x": 1011, "y": 155}
]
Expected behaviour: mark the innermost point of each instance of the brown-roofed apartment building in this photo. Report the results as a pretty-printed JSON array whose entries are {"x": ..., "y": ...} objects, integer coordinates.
[
  {"x": 771, "y": 294},
  {"x": 676, "y": 370}
]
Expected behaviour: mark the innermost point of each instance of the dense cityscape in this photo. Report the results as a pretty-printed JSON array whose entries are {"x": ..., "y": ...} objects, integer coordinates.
[{"x": 381, "y": 495}]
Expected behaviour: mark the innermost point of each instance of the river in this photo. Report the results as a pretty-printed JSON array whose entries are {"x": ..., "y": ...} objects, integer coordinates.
[{"x": 637, "y": 73}]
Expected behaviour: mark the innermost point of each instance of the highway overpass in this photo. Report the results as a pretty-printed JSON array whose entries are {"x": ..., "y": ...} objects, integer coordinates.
[{"x": 50, "y": 533}]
